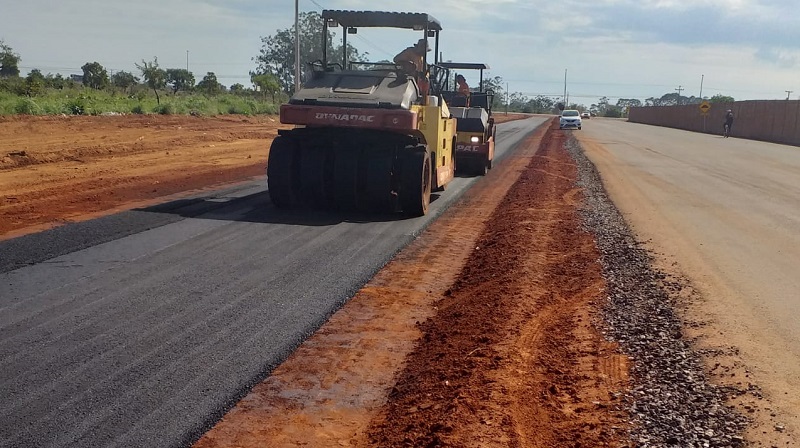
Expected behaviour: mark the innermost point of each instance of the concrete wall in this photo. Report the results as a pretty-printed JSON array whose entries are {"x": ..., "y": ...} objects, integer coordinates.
[{"x": 773, "y": 121}]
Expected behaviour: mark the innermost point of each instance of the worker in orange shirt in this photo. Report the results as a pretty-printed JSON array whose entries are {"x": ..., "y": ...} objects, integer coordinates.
[
  {"x": 412, "y": 62},
  {"x": 463, "y": 88}
]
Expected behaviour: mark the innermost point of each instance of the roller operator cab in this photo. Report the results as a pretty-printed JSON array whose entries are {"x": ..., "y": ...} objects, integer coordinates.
[
  {"x": 366, "y": 137},
  {"x": 475, "y": 128}
]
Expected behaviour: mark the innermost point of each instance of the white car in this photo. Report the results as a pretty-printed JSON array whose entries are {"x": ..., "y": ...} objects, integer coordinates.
[
  {"x": 570, "y": 119},
  {"x": 586, "y": 115}
]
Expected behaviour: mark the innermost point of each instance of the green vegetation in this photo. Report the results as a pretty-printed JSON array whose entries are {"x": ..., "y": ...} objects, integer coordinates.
[
  {"x": 674, "y": 99},
  {"x": 160, "y": 91},
  {"x": 79, "y": 100}
]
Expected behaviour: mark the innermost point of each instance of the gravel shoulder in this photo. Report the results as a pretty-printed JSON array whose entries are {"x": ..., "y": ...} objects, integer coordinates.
[{"x": 738, "y": 348}]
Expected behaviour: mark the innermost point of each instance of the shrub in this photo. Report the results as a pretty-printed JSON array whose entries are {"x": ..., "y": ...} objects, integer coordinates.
[
  {"x": 137, "y": 109},
  {"x": 27, "y": 106},
  {"x": 197, "y": 105},
  {"x": 165, "y": 109},
  {"x": 76, "y": 106}
]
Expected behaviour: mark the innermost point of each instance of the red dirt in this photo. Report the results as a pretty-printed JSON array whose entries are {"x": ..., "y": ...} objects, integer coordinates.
[{"x": 59, "y": 169}]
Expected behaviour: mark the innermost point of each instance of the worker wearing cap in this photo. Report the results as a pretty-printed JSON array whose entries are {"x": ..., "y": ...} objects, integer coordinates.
[{"x": 412, "y": 62}]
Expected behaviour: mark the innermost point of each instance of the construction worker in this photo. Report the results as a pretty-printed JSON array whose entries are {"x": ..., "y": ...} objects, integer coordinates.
[
  {"x": 412, "y": 62},
  {"x": 463, "y": 88}
]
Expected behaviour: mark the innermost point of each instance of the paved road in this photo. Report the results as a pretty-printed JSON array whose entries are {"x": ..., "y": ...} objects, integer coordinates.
[
  {"x": 142, "y": 328},
  {"x": 727, "y": 211}
]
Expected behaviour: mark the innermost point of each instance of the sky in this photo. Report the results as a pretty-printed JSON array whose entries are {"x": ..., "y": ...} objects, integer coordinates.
[{"x": 747, "y": 49}]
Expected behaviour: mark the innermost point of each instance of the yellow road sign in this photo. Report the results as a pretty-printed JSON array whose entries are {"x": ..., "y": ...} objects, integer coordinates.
[{"x": 705, "y": 106}]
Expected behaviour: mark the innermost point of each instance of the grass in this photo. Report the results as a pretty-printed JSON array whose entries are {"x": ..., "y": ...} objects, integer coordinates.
[{"x": 84, "y": 101}]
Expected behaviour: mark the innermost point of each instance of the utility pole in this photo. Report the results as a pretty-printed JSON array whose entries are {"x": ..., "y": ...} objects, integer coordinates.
[
  {"x": 565, "y": 88},
  {"x": 506, "y": 98},
  {"x": 297, "y": 45},
  {"x": 187, "y": 60},
  {"x": 679, "y": 89},
  {"x": 788, "y": 92},
  {"x": 701, "y": 86}
]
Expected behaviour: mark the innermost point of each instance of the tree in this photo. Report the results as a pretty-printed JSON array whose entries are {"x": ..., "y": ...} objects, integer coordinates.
[
  {"x": 55, "y": 81},
  {"x": 632, "y": 102},
  {"x": 277, "y": 52},
  {"x": 124, "y": 80},
  {"x": 238, "y": 89},
  {"x": 721, "y": 99},
  {"x": 624, "y": 104},
  {"x": 496, "y": 85},
  {"x": 9, "y": 61},
  {"x": 180, "y": 79},
  {"x": 154, "y": 77},
  {"x": 613, "y": 112},
  {"x": 95, "y": 75},
  {"x": 209, "y": 84},
  {"x": 267, "y": 83},
  {"x": 601, "y": 106},
  {"x": 34, "y": 83},
  {"x": 541, "y": 104},
  {"x": 517, "y": 102},
  {"x": 672, "y": 99}
]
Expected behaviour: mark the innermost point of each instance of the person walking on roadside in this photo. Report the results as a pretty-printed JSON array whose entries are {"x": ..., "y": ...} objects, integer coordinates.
[{"x": 728, "y": 123}]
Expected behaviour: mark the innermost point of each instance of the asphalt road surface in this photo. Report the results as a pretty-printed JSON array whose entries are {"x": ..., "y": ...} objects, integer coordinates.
[
  {"x": 142, "y": 328},
  {"x": 727, "y": 213}
]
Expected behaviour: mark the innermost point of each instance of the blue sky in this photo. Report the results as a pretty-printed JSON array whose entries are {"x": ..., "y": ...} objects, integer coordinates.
[{"x": 748, "y": 49}]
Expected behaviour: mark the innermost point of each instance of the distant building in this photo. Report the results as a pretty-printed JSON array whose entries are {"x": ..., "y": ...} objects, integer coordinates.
[{"x": 76, "y": 78}]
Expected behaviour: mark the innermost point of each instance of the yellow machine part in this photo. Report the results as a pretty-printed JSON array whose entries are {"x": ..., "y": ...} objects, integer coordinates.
[{"x": 439, "y": 131}]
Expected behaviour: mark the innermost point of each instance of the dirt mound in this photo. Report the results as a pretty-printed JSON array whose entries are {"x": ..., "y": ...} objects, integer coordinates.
[{"x": 511, "y": 357}]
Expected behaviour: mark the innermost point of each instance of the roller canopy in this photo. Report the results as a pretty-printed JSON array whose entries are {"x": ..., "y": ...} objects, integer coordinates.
[
  {"x": 358, "y": 19},
  {"x": 464, "y": 66}
]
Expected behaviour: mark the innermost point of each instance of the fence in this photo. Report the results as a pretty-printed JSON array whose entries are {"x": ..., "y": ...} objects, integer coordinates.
[{"x": 775, "y": 121}]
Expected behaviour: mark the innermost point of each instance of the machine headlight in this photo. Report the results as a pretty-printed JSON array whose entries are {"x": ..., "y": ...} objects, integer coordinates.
[{"x": 475, "y": 139}]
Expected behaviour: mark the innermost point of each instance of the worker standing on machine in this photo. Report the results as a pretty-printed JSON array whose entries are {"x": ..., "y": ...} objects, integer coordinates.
[
  {"x": 463, "y": 88},
  {"x": 412, "y": 62}
]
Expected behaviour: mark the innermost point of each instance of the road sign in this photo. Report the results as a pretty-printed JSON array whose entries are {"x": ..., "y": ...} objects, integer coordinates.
[{"x": 705, "y": 106}]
